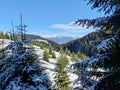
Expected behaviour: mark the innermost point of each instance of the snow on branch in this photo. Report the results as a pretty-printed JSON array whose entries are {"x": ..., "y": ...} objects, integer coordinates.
[
  {"x": 20, "y": 69},
  {"x": 93, "y": 62},
  {"x": 107, "y": 44}
]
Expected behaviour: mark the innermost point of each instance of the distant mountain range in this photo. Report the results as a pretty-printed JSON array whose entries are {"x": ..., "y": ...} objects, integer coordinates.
[{"x": 61, "y": 39}]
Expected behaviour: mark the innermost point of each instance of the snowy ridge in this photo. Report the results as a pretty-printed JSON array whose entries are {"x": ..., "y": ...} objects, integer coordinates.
[{"x": 40, "y": 40}]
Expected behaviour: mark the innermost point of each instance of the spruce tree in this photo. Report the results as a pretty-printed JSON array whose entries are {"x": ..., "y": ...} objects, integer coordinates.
[
  {"x": 50, "y": 50},
  {"x": 74, "y": 57},
  {"x": 62, "y": 80},
  {"x": 2, "y": 35},
  {"x": 20, "y": 69},
  {"x": 53, "y": 55},
  {"x": 42, "y": 46},
  {"x": 7, "y": 36},
  {"x": 46, "y": 56},
  {"x": 108, "y": 57},
  {"x": 61, "y": 50},
  {"x": 81, "y": 56}
]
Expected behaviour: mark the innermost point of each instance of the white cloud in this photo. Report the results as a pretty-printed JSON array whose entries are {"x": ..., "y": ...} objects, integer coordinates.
[{"x": 70, "y": 27}]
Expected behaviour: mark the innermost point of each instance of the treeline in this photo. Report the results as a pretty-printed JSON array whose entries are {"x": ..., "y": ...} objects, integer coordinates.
[
  {"x": 4, "y": 35},
  {"x": 7, "y": 35},
  {"x": 74, "y": 56}
]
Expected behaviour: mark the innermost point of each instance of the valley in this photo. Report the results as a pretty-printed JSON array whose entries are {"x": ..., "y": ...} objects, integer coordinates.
[{"x": 64, "y": 45}]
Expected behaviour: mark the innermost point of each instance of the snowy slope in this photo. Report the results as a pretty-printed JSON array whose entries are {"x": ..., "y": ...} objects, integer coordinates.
[
  {"x": 72, "y": 76},
  {"x": 48, "y": 66},
  {"x": 17, "y": 71},
  {"x": 51, "y": 65},
  {"x": 4, "y": 42}
]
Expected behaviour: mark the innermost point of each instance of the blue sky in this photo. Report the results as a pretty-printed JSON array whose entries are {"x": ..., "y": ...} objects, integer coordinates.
[{"x": 47, "y": 17}]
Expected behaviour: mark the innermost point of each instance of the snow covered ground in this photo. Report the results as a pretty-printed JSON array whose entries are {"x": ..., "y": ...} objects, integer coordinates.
[
  {"x": 48, "y": 66},
  {"x": 72, "y": 76},
  {"x": 51, "y": 65},
  {"x": 4, "y": 42}
]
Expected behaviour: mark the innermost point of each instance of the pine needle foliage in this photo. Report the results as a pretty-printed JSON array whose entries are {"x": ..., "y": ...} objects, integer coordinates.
[
  {"x": 62, "y": 80},
  {"x": 108, "y": 57},
  {"x": 19, "y": 69}
]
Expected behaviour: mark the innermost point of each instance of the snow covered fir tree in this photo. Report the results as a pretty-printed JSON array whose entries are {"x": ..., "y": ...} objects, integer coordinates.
[
  {"x": 102, "y": 71},
  {"x": 20, "y": 68}
]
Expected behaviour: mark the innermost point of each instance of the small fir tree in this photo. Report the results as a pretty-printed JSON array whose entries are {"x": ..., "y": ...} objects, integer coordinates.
[
  {"x": 62, "y": 80},
  {"x": 74, "y": 57},
  {"x": 50, "y": 51},
  {"x": 42, "y": 46},
  {"x": 46, "y": 56},
  {"x": 53, "y": 55},
  {"x": 61, "y": 50},
  {"x": 20, "y": 69}
]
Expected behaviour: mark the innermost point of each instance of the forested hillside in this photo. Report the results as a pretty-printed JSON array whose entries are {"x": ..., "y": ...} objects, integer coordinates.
[
  {"x": 86, "y": 44},
  {"x": 53, "y": 44}
]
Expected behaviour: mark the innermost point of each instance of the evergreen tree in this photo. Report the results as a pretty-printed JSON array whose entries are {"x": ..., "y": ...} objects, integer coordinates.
[
  {"x": 7, "y": 36},
  {"x": 74, "y": 57},
  {"x": 46, "y": 56},
  {"x": 41, "y": 46},
  {"x": 20, "y": 69},
  {"x": 67, "y": 52},
  {"x": 50, "y": 50},
  {"x": 108, "y": 56},
  {"x": 61, "y": 50},
  {"x": 53, "y": 55},
  {"x": 81, "y": 56},
  {"x": 2, "y": 35},
  {"x": 62, "y": 80}
]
